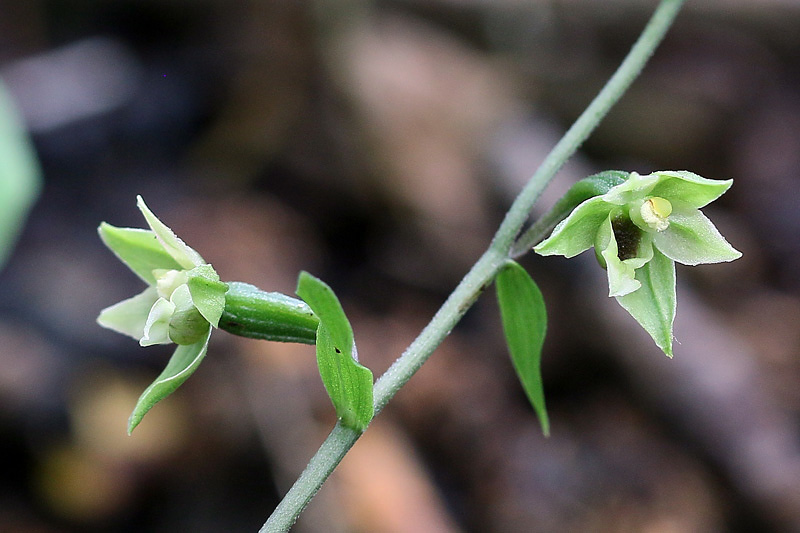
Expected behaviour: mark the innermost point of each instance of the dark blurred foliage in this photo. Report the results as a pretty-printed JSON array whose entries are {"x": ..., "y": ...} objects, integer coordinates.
[{"x": 377, "y": 146}]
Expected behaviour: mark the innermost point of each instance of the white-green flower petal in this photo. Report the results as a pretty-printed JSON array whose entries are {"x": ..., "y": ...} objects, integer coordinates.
[
  {"x": 179, "y": 250},
  {"x": 688, "y": 188},
  {"x": 634, "y": 188},
  {"x": 181, "y": 298},
  {"x": 692, "y": 239},
  {"x": 622, "y": 273},
  {"x": 156, "y": 328},
  {"x": 621, "y": 277},
  {"x": 208, "y": 292},
  {"x": 576, "y": 233},
  {"x": 653, "y": 304},
  {"x": 139, "y": 249},
  {"x": 129, "y": 316}
]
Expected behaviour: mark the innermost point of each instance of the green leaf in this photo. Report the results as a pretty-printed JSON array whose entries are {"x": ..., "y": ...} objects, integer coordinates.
[
  {"x": 348, "y": 383},
  {"x": 251, "y": 312},
  {"x": 320, "y": 297},
  {"x": 692, "y": 239},
  {"x": 653, "y": 304},
  {"x": 20, "y": 175},
  {"x": 576, "y": 233},
  {"x": 208, "y": 292},
  {"x": 139, "y": 249},
  {"x": 524, "y": 318},
  {"x": 181, "y": 365}
]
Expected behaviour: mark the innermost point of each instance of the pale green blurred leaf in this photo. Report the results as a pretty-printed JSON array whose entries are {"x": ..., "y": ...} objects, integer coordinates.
[{"x": 20, "y": 175}]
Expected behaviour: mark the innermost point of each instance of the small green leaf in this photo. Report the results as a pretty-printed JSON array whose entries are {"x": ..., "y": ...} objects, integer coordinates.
[
  {"x": 653, "y": 304},
  {"x": 524, "y": 320},
  {"x": 349, "y": 384},
  {"x": 139, "y": 249},
  {"x": 181, "y": 365},
  {"x": 251, "y": 312},
  {"x": 320, "y": 297},
  {"x": 20, "y": 175}
]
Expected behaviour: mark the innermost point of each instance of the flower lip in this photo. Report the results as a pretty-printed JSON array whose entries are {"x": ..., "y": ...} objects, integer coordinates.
[{"x": 627, "y": 235}]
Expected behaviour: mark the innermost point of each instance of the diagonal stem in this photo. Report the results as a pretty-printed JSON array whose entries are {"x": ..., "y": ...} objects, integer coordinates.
[{"x": 482, "y": 274}]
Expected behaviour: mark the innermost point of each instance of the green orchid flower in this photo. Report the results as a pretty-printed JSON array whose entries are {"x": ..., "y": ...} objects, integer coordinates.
[
  {"x": 639, "y": 229},
  {"x": 184, "y": 300}
]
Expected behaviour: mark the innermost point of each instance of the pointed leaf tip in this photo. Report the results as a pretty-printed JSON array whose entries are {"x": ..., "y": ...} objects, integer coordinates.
[{"x": 524, "y": 318}]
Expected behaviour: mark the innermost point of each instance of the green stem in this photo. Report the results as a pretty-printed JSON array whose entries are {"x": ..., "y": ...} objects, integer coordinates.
[{"x": 480, "y": 276}]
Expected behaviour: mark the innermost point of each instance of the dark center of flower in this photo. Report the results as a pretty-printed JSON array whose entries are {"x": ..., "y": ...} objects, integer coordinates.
[{"x": 627, "y": 236}]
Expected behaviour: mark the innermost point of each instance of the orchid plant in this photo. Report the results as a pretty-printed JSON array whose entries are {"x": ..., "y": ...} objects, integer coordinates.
[{"x": 638, "y": 225}]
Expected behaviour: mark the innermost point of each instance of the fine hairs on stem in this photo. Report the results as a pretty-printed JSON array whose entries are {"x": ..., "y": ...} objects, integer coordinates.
[{"x": 505, "y": 244}]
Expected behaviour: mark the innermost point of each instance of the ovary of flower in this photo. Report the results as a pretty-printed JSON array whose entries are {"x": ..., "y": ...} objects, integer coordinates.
[{"x": 655, "y": 212}]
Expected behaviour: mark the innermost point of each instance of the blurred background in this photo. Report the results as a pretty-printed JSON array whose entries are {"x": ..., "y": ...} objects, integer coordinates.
[{"x": 377, "y": 145}]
